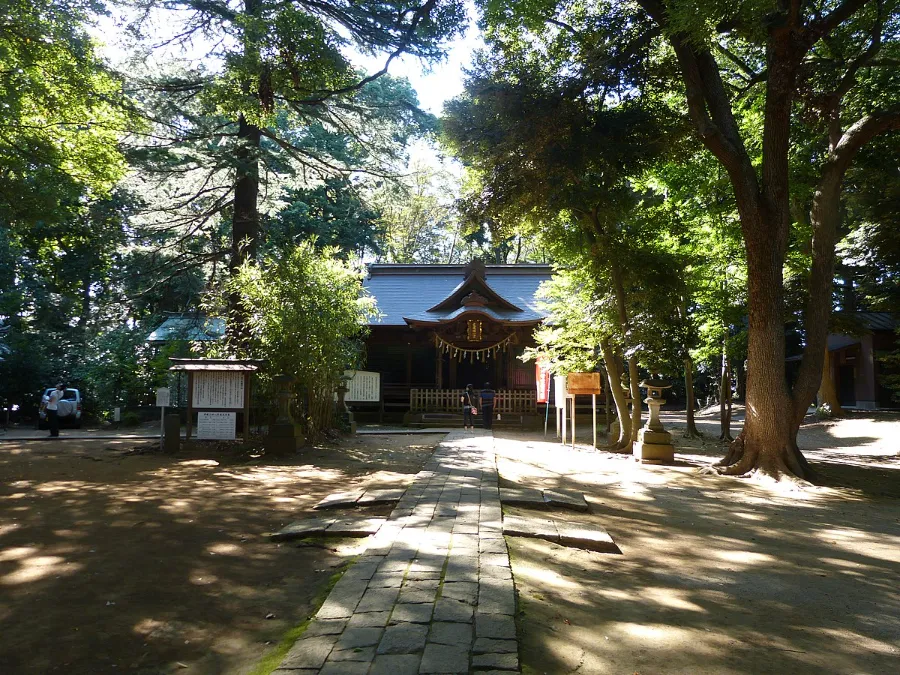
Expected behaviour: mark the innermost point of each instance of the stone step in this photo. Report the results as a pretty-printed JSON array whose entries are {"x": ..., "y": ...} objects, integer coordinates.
[
  {"x": 330, "y": 527},
  {"x": 537, "y": 498},
  {"x": 343, "y": 500},
  {"x": 573, "y": 535}
]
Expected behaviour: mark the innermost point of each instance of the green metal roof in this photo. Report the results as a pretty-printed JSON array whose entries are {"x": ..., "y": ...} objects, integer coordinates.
[{"x": 190, "y": 327}]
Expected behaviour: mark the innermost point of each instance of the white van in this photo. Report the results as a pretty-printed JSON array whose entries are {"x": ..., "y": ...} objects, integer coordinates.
[{"x": 69, "y": 408}]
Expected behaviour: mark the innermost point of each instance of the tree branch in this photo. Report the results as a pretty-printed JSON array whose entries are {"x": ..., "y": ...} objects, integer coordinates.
[
  {"x": 823, "y": 26},
  {"x": 825, "y": 217},
  {"x": 736, "y": 60}
]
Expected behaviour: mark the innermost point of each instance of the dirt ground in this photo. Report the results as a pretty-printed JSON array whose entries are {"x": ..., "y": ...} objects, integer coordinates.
[
  {"x": 115, "y": 559},
  {"x": 717, "y": 575}
]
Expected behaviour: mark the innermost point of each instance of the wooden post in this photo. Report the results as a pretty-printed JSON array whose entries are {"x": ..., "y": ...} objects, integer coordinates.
[
  {"x": 573, "y": 422},
  {"x": 246, "y": 406},
  {"x": 190, "y": 405},
  {"x": 565, "y": 404},
  {"x": 408, "y": 364},
  {"x": 594, "y": 413}
]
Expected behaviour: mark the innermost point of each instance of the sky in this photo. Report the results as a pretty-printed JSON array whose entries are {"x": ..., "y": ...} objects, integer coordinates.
[
  {"x": 438, "y": 82},
  {"x": 435, "y": 83}
]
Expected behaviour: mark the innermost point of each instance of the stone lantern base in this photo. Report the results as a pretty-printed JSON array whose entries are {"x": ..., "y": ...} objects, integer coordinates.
[
  {"x": 654, "y": 447},
  {"x": 654, "y": 444},
  {"x": 283, "y": 439}
]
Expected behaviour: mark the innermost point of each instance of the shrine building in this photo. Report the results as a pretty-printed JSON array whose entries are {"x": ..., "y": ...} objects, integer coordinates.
[{"x": 442, "y": 327}]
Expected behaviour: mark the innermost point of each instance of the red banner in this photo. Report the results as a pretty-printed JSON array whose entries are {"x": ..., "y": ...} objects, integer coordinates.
[{"x": 542, "y": 377}]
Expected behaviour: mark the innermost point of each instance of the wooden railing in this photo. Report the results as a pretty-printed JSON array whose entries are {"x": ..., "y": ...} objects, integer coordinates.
[{"x": 522, "y": 401}]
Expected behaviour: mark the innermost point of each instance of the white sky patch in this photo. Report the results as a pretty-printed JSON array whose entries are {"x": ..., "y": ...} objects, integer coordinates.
[{"x": 435, "y": 83}]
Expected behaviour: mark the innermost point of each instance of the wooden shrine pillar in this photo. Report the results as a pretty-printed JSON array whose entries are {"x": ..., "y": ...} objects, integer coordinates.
[
  {"x": 453, "y": 384},
  {"x": 438, "y": 368},
  {"x": 409, "y": 364}
]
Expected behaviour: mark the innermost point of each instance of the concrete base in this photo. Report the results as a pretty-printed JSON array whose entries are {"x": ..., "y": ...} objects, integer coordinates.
[
  {"x": 283, "y": 439},
  {"x": 654, "y": 437},
  {"x": 172, "y": 434},
  {"x": 654, "y": 453}
]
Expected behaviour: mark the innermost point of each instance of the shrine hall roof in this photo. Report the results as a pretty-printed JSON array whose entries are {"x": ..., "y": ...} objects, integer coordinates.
[{"x": 410, "y": 291}]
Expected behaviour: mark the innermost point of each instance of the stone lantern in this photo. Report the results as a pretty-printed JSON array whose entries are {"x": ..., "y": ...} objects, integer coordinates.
[
  {"x": 283, "y": 437},
  {"x": 343, "y": 411},
  {"x": 654, "y": 443}
]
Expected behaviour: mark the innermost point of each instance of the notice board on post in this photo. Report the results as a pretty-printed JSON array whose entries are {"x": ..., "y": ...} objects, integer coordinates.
[
  {"x": 363, "y": 386},
  {"x": 218, "y": 389},
  {"x": 583, "y": 383}
]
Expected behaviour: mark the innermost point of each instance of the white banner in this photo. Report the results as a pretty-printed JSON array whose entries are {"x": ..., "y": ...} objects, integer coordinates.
[
  {"x": 216, "y": 425},
  {"x": 559, "y": 390},
  {"x": 217, "y": 389},
  {"x": 363, "y": 386}
]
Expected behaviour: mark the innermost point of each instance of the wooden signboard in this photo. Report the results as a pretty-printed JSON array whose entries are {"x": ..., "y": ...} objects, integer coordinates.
[
  {"x": 362, "y": 386},
  {"x": 583, "y": 383}
]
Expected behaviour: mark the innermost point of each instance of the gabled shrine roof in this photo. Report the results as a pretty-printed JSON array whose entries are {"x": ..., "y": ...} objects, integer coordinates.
[
  {"x": 432, "y": 293},
  {"x": 189, "y": 327}
]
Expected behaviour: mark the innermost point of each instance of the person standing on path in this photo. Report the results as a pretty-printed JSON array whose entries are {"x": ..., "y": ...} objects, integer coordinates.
[
  {"x": 53, "y": 409},
  {"x": 468, "y": 402},
  {"x": 487, "y": 405}
]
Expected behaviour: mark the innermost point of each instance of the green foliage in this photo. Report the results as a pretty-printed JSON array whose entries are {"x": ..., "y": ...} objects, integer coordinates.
[
  {"x": 60, "y": 123},
  {"x": 577, "y": 323},
  {"x": 333, "y": 215},
  {"x": 306, "y": 314}
]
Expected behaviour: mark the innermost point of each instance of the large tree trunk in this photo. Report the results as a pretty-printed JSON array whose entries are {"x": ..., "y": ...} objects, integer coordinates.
[
  {"x": 245, "y": 220},
  {"x": 691, "y": 430},
  {"x": 827, "y": 391},
  {"x": 245, "y": 232},
  {"x": 623, "y": 442},
  {"x": 767, "y": 443}
]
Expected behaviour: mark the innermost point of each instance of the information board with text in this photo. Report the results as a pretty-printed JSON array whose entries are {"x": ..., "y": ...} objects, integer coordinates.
[
  {"x": 216, "y": 425},
  {"x": 214, "y": 389},
  {"x": 363, "y": 386}
]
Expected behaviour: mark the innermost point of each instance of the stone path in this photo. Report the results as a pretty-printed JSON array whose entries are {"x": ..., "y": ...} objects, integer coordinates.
[{"x": 433, "y": 592}]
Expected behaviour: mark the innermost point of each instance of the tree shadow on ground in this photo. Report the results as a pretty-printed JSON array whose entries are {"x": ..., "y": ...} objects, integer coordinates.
[
  {"x": 113, "y": 560},
  {"x": 717, "y": 575}
]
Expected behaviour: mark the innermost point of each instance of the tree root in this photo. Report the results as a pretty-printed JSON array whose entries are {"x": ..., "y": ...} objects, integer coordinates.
[
  {"x": 735, "y": 452},
  {"x": 741, "y": 463}
]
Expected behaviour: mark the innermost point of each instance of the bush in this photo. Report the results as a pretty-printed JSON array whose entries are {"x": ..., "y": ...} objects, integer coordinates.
[
  {"x": 306, "y": 315},
  {"x": 130, "y": 419},
  {"x": 823, "y": 412}
]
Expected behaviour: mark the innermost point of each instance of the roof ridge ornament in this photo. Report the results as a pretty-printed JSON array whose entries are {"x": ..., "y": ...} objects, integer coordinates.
[
  {"x": 474, "y": 299},
  {"x": 476, "y": 269}
]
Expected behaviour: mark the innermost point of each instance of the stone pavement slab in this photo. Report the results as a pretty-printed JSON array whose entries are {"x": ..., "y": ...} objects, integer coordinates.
[
  {"x": 433, "y": 592},
  {"x": 334, "y": 527},
  {"x": 591, "y": 537},
  {"x": 339, "y": 500}
]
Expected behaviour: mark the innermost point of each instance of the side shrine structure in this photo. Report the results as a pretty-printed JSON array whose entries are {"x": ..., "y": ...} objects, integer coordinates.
[{"x": 442, "y": 327}]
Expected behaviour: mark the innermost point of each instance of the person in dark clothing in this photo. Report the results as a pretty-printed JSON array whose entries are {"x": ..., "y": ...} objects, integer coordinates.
[
  {"x": 487, "y": 405},
  {"x": 468, "y": 403}
]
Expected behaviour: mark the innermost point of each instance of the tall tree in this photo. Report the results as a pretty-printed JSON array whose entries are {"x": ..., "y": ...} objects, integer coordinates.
[
  {"x": 272, "y": 58},
  {"x": 60, "y": 218},
  {"x": 776, "y": 58}
]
